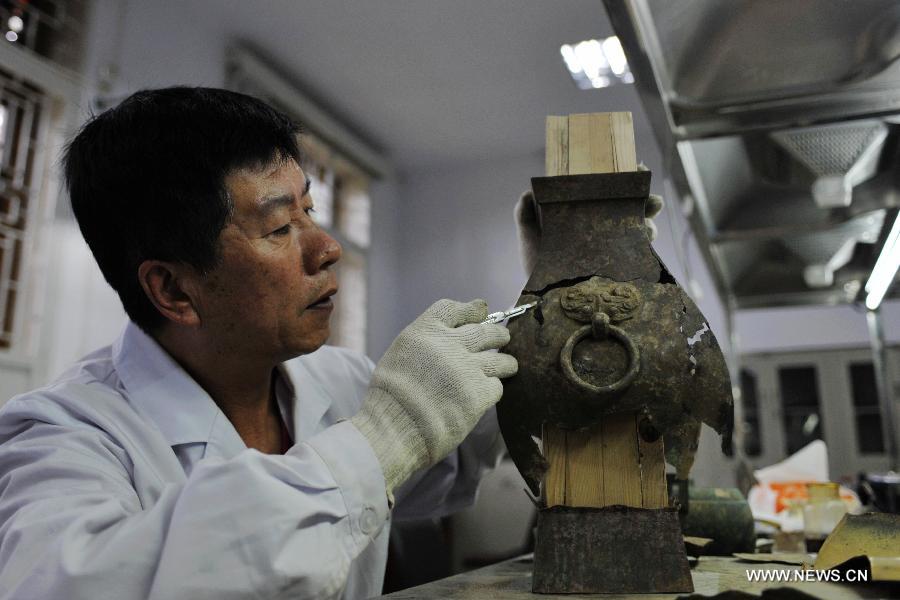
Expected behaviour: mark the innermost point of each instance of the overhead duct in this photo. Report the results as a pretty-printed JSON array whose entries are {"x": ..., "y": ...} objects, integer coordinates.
[
  {"x": 826, "y": 252},
  {"x": 783, "y": 130},
  {"x": 837, "y": 158}
]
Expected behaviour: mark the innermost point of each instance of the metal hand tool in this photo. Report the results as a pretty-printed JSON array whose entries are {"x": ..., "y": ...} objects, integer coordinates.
[{"x": 497, "y": 317}]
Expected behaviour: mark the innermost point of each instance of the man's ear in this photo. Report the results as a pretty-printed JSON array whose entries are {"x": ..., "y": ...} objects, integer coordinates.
[{"x": 170, "y": 288}]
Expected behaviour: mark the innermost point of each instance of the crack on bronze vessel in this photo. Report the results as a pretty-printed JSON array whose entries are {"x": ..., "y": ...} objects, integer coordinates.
[
  {"x": 558, "y": 284},
  {"x": 595, "y": 259},
  {"x": 539, "y": 313},
  {"x": 665, "y": 277}
]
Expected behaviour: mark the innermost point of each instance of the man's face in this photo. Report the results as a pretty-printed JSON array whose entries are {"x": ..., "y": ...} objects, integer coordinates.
[{"x": 270, "y": 297}]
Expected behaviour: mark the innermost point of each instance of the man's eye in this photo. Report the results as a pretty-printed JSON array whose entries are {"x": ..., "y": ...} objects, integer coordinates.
[
  {"x": 309, "y": 210},
  {"x": 286, "y": 229}
]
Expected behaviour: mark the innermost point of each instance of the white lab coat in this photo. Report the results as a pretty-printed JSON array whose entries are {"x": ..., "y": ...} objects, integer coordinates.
[{"x": 123, "y": 480}]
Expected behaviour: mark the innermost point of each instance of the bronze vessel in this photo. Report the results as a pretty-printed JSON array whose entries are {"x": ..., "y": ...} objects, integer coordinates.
[{"x": 613, "y": 331}]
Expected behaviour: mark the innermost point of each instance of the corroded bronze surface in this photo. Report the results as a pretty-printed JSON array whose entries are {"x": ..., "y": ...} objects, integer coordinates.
[
  {"x": 590, "y": 550},
  {"x": 613, "y": 331}
]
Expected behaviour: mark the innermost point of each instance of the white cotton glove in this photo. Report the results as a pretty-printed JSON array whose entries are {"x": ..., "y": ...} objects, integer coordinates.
[
  {"x": 528, "y": 226},
  {"x": 432, "y": 386}
]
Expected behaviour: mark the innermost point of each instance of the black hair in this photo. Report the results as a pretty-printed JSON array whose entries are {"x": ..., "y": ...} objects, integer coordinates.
[{"x": 147, "y": 179}]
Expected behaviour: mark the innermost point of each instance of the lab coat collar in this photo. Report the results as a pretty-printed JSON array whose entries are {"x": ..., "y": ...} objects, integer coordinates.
[
  {"x": 161, "y": 390},
  {"x": 310, "y": 418}
]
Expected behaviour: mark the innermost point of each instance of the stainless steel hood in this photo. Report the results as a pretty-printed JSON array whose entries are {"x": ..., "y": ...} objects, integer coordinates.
[{"x": 780, "y": 123}]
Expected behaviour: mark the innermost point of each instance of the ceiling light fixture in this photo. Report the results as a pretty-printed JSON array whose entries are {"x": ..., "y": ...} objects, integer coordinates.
[
  {"x": 885, "y": 268},
  {"x": 595, "y": 64}
]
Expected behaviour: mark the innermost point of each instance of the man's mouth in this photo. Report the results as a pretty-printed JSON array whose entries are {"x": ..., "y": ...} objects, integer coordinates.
[{"x": 324, "y": 300}]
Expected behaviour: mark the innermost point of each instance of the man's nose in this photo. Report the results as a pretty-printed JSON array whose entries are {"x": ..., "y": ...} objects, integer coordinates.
[{"x": 324, "y": 253}]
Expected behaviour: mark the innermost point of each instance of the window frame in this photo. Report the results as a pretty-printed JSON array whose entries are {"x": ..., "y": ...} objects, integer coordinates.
[
  {"x": 27, "y": 363},
  {"x": 835, "y": 403}
]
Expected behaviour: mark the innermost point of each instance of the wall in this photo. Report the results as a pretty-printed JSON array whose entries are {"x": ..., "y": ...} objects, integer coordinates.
[
  {"x": 447, "y": 231},
  {"x": 440, "y": 232},
  {"x": 458, "y": 233},
  {"x": 136, "y": 45},
  {"x": 459, "y": 241},
  {"x": 152, "y": 44},
  {"x": 385, "y": 313},
  {"x": 443, "y": 231},
  {"x": 87, "y": 314},
  {"x": 778, "y": 329},
  {"x": 459, "y": 236},
  {"x": 83, "y": 313}
]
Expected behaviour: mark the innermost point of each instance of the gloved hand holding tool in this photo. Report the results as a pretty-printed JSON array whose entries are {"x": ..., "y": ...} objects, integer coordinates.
[{"x": 432, "y": 386}]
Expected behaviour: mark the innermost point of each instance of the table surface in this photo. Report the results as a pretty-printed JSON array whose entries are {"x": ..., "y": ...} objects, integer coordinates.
[{"x": 712, "y": 575}]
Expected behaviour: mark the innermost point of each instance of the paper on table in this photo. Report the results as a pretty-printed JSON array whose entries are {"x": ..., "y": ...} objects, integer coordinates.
[
  {"x": 809, "y": 463},
  {"x": 785, "y": 481}
]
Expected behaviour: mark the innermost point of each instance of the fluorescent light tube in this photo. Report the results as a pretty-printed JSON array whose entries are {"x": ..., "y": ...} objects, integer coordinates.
[{"x": 885, "y": 268}]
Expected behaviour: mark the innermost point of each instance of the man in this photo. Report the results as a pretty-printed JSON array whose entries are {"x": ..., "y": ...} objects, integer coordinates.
[{"x": 218, "y": 449}]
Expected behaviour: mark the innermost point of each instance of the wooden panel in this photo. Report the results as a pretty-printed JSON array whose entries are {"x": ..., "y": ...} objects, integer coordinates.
[
  {"x": 601, "y": 143},
  {"x": 621, "y": 463},
  {"x": 653, "y": 474},
  {"x": 584, "y": 468},
  {"x": 554, "y": 442},
  {"x": 557, "y": 149},
  {"x": 583, "y": 129},
  {"x": 622, "y": 132}
]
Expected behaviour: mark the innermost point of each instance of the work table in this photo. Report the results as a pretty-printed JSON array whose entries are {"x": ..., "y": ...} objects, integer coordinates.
[{"x": 712, "y": 575}]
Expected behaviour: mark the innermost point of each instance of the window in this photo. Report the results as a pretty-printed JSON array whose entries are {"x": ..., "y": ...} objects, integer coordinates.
[
  {"x": 750, "y": 405},
  {"x": 341, "y": 200},
  {"x": 869, "y": 432},
  {"x": 824, "y": 393},
  {"x": 50, "y": 28},
  {"x": 800, "y": 406},
  {"x": 22, "y": 112}
]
